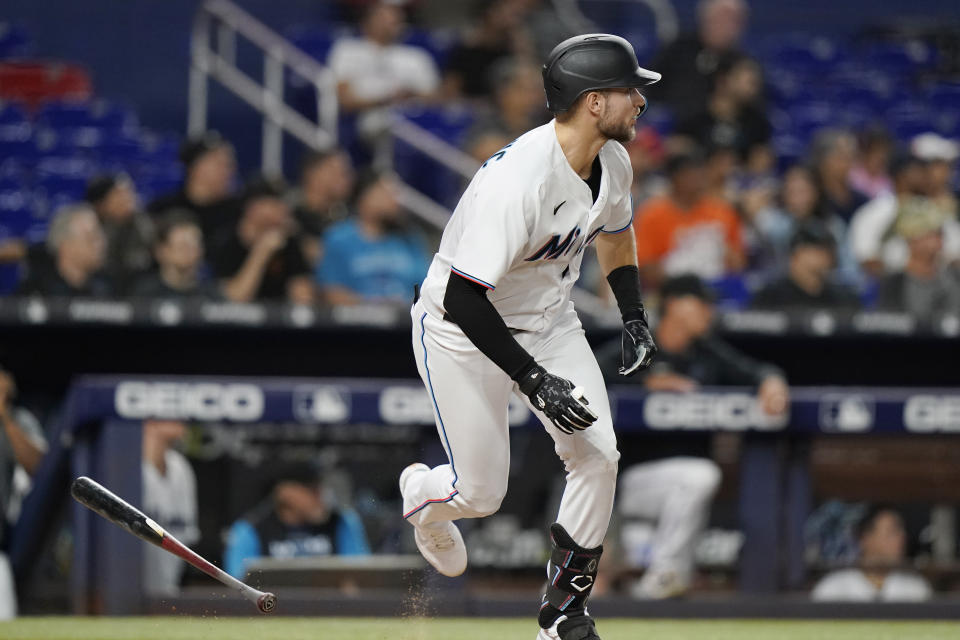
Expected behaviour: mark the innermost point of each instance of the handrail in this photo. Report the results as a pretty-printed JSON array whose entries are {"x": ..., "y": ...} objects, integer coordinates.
[{"x": 215, "y": 58}]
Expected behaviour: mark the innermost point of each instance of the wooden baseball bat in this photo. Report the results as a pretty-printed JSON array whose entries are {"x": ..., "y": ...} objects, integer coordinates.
[{"x": 98, "y": 498}]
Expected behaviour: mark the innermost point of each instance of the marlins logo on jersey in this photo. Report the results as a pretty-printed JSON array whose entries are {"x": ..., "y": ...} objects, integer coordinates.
[{"x": 521, "y": 227}]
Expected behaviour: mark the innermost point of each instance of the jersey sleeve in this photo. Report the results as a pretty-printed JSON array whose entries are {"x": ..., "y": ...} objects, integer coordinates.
[
  {"x": 494, "y": 236},
  {"x": 620, "y": 215}
]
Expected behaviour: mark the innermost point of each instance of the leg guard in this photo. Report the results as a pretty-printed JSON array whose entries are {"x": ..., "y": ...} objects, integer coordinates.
[{"x": 570, "y": 573}]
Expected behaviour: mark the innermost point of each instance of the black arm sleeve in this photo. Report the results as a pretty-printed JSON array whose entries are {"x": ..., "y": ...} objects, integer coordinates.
[
  {"x": 466, "y": 303},
  {"x": 625, "y": 283}
]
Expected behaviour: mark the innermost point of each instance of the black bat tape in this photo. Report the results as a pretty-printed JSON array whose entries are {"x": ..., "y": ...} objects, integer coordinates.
[{"x": 98, "y": 498}]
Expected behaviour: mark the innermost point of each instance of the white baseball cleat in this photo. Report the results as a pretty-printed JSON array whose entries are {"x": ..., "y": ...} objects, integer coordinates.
[{"x": 440, "y": 543}]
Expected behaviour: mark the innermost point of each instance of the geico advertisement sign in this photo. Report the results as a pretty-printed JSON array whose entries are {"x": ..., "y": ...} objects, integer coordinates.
[
  {"x": 930, "y": 414},
  {"x": 189, "y": 401},
  {"x": 410, "y": 405},
  {"x": 728, "y": 411}
]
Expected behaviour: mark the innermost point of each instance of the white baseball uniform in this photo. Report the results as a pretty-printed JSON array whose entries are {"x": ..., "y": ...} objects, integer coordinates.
[{"x": 519, "y": 230}]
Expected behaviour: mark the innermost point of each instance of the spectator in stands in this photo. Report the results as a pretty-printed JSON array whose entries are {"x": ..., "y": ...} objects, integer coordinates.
[
  {"x": 178, "y": 249},
  {"x": 518, "y": 104},
  {"x": 299, "y": 518},
  {"x": 832, "y": 155},
  {"x": 871, "y": 176},
  {"x": 547, "y": 28},
  {"x": 688, "y": 62},
  {"x": 129, "y": 231},
  {"x": 647, "y": 154},
  {"x": 326, "y": 180},
  {"x": 77, "y": 246},
  {"x": 677, "y": 482},
  {"x": 733, "y": 115},
  {"x": 207, "y": 190},
  {"x": 808, "y": 282},
  {"x": 374, "y": 70},
  {"x": 925, "y": 286},
  {"x": 941, "y": 157},
  {"x": 497, "y": 33},
  {"x": 261, "y": 259},
  {"x": 22, "y": 446},
  {"x": 169, "y": 498},
  {"x": 796, "y": 204},
  {"x": 372, "y": 256},
  {"x": 687, "y": 231},
  {"x": 481, "y": 144},
  {"x": 873, "y": 238},
  {"x": 881, "y": 573}
]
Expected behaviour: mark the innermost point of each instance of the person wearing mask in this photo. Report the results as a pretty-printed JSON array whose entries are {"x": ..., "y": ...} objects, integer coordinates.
[
  {"x": 809, "y": 281},
  {"x": 686, "y": 230},
  {"x": 178, "y": 249},
  {"x": 261, "y": 259},
  {"x": 170, "y": 499},
  {"x": 22, "y": 446},
  {"x": 299, "y": 518},
  {"x": 207, "y": 191},
  {"x": 372, "y": 256},
  {"x": 881, "y": 574},
  {"x": 128, "y": 231},
  {"x": 77, "y": 249},
  {"x": 925, "y": 286}
]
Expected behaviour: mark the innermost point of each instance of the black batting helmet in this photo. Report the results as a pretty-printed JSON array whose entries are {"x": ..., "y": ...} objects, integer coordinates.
[{"x": 590, "y": 62}]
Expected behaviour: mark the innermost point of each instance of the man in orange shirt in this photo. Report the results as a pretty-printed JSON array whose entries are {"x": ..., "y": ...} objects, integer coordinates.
[{"x": 686, "y": 230}]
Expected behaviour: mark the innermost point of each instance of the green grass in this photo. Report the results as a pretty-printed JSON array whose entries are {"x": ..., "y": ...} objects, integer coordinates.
[{"x": 184, "y": 628}]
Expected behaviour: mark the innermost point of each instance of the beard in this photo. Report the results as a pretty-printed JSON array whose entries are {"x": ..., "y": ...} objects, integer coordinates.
[{"x": 618, "y": 130}]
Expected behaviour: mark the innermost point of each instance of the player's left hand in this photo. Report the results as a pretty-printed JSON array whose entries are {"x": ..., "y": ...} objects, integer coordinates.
[
  {"x": 637, "y": 347},
  {"x": 558, "y": 399}
]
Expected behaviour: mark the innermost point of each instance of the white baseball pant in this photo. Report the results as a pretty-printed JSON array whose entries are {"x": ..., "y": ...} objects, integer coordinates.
[
  {"x": 676, "y": 493},
  {"x": 470, "y": 393}
]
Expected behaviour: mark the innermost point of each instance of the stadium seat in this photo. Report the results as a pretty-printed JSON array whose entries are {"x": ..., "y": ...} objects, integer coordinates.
[
  {"x": 15, "y": 41},
  {"x": 16, "y": 141},
  {"x": 12, "y": 114}
]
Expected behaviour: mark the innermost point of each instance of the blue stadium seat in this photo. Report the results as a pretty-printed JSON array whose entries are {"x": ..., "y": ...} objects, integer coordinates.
[
  {"x": 316, "y": 40},
  {"x": 16, "y": 141},
  {"x": 15, "y": 41},
  {"x": 803, "y": 54},
  {"x": 60, "y": 115},
  {"x": 899, "y": 59},
  {"x": 437, "y": 43},
  {"x": 11, "y": 113}
]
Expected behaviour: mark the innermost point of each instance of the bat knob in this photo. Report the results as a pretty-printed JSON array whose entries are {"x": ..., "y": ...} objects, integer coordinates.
[{"x": 267, "y": 603}]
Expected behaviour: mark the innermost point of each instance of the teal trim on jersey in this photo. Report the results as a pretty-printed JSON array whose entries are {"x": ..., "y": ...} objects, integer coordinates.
[{"x": 622, "y": 229}]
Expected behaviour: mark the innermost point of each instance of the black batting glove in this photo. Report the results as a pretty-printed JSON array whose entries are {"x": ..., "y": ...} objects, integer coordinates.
[
  {"x": 637, "y": 346},
  {"x": 554, "y": 396}
]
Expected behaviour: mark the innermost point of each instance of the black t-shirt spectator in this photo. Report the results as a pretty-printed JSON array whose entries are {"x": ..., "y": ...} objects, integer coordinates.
[
  {"x": 686, "y": 66},
  {"x": 213, "y": 218},
  {"x": 751, "y": 128},
  {"x": 49, "y": 282},
  {"x": 784, "y": 294},
  {"x": 150, "y": 285},
  {"x": 472, "y": 63},
  {"x": 229, "y": 255}
]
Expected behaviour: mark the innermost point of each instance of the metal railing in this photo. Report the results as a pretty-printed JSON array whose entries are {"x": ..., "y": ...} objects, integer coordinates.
[{"x": 214, "y": 56}]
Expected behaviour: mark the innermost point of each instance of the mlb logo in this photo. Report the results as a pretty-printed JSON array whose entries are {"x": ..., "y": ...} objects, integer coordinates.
[{"x": 847, "y": 413}]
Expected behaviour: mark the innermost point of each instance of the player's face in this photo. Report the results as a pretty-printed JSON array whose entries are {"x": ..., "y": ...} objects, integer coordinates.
[{"x": 621, "y": 108}]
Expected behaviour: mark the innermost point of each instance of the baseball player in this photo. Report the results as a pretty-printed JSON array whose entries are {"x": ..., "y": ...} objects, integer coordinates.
[{"x": 495, "y": 318}]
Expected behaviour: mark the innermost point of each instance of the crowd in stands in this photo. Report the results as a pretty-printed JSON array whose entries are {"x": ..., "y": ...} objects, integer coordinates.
[{"x": 861, "y": 220}]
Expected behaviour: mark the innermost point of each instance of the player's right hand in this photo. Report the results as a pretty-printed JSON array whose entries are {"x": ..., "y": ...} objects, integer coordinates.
[{"x": 555, "y": 397}]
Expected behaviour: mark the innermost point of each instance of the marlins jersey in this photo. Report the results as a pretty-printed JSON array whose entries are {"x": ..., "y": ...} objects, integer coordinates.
[{"x": 521, "y": 227}]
